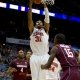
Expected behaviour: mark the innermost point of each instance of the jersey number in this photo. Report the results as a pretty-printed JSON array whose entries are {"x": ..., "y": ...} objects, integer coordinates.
[
  {"x": 53, "y": 66},
  {"x": 68, "y": 52},
  {"x": 22, "y": 69},
  {"x": 38, "y": 38}
]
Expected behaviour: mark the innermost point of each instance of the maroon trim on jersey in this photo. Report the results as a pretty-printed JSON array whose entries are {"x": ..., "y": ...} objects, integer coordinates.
[
  {"x": 62, "y": 56},
  {"x": 61, "y": 51}
]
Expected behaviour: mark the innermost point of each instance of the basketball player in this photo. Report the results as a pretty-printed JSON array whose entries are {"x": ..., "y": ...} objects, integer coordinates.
[
  {"x": 28, "y": 55},
  {"x": 65, "y": 54},
  {"x": 38, "y": 43},
  {"x": 18, "y": 67}
]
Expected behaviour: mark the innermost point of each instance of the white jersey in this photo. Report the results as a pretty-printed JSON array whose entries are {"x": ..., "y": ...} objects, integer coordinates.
[
  {"x": 54, "y": 72},
  {"x": 39, "y": 42}
]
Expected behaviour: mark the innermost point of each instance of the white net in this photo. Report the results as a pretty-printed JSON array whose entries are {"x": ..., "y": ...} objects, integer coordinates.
[{"x": 49, "y": 2}]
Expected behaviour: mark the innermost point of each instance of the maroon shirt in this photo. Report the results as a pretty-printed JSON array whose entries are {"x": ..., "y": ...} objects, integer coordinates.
[
  {"x": 21, "y": 67},
  {"x": 66, "y": 56}
]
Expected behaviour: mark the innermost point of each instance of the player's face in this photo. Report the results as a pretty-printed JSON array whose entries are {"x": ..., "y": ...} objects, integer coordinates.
[
  {"x": 28, "y": 55},
  {"x": 39, "y": 24},
  {"x": 21, "y": 54}
]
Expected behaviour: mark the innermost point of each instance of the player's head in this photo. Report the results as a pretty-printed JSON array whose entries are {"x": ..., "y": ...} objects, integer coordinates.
[
  {"x": 21, "y": 54},
  {"x": 28, "y": 55},
  {"x": 59, "y": 39},
  {"x": 39, "y": 24}
]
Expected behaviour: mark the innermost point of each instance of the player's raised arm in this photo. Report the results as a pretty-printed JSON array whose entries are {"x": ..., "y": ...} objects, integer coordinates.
[
  {"x": 30, "y": 21},
  {"x": 46, "y": 20}
]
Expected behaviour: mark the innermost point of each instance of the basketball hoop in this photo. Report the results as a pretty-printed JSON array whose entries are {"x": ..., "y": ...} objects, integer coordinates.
[{"x": 48, "y": 2}]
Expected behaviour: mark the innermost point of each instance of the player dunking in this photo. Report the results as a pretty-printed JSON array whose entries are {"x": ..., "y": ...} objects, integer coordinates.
[
  {"x": 66, "y": 57},
  {"x": 38, "y": 43}
]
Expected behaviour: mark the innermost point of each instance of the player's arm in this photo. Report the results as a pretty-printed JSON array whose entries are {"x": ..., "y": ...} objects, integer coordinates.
[
  {"x": 46, "y": 20},
  {"x": 30, "y": 21},
  {"x": 28, "y": 75},
  {"x": 53, "y": 52},
  {"x": 10, "y": 70}
]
